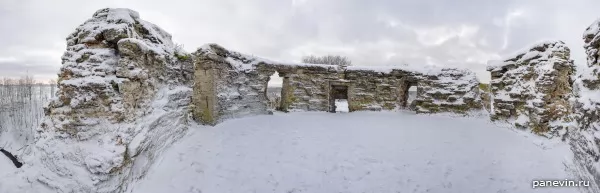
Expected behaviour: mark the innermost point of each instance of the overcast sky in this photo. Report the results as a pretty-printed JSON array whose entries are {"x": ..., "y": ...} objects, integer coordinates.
[{"x": 463, "y": 33}]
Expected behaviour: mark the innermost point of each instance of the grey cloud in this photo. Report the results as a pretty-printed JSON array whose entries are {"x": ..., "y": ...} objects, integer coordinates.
[
  {"x": 359, "y": 29},
  {"x": 39, "y": 69}
]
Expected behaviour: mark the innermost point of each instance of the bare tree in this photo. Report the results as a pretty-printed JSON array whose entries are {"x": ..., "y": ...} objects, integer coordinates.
[
  {"x": 328, "y": 59},
  {"x": 28, "y": 82},
  {"x": 8, "y": 81},
  {"x": 21, "y": 107},
  {"x": 52, "y": 84}
]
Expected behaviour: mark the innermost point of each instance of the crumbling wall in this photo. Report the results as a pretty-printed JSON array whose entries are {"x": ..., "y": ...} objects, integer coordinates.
[
  {"x": 438, "y": 90},
  {"x": 585, "y": 136},
  {"x": 449, "y": 90},
  {"x": 309, "y": 87},
  {"x": 125, "y": 91},
  {"x": 230, "y": 84},
  {"x": 224, "y": 88},
  {"x": 533, "y": 88},
  {"x": 111, "y": 69},
  {"x": 121, "y": 86},
  {"x": 374, "y": 90}
]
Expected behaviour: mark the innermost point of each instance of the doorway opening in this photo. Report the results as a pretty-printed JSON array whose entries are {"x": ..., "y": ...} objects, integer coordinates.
[
  {"x": 339, "y": 99},
  {"x": 273, "y": 91},
  {"x": 410, "y": 94}
]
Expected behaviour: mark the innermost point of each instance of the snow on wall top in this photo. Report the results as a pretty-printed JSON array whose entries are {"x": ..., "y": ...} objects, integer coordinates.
[
  {"x": 593, "y": 29},
  {"x": 421, "y": 69},
  {"x": 531, "y": 89},
  {"x": 242, "y": 61},
  {"x": 92, "y": 49},
  {"x": 248, "y": 62},
  {"x": 541, "y": 51},
  {"x": 543, "y": 57},
  {"x": 114, "y": 24},
  {"x": 586, "y": 86},
  {"x": 590, "y": 36}
]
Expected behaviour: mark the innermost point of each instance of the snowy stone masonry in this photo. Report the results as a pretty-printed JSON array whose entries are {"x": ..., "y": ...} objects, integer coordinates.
[
  {"x": 585, "y": 143},
  {"x": 537, "y": 90},
  {"x": 123, "y": 93},
  {"x": 532, "y": 89},
  {"x": 230, "y": 84}
]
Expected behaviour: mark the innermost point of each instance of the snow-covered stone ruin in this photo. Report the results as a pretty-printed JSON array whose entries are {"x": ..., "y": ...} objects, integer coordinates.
[
  {"x": 123, "y": 93},
  {"x": 539, "y": 89},
  {"x": 229, "y": 84},
  {"x": 127, "y": 92},
  {"x": 533, "y": 88},
  {"x": 585, "y": 137}
]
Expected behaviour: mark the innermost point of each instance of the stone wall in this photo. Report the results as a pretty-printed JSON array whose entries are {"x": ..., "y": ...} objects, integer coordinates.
[
  {"x": 125, "y": 91},
  {"x": 450, "y": 90},
  {"x": 111, "y": 69},
  {"x": 115, "y": 67},
  {"x": 537, "y": 89},
  {"x": 585, "y": 137},
  {"x": 226, "y": 91},
  {"x": 308, "y": 88},
  {"x": 230, "y": 84},
  {"x": 374, "y": 90},
  {"x": 439, "y": 90},
  {"x": 532, "y": 89}
]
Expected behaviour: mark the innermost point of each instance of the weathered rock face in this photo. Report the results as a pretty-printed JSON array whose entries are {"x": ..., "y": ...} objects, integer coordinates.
[
  {"x": 111, "y": 69},
  {"x": 229, "y": 84},
  {"x": 122, "y": 97},
  {"x": 532, "y": 90},
  {"x": 585, "y": 141}
]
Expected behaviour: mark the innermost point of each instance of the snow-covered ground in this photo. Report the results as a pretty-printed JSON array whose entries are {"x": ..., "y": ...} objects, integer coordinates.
[
  {"x": 6, "y": 166},
  {"x": 356, "y": 152},
  {"x": 341, "y": 105}
]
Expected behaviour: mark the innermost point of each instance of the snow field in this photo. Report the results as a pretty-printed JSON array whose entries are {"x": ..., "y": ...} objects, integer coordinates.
[{"x": 356, "y": 152}]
